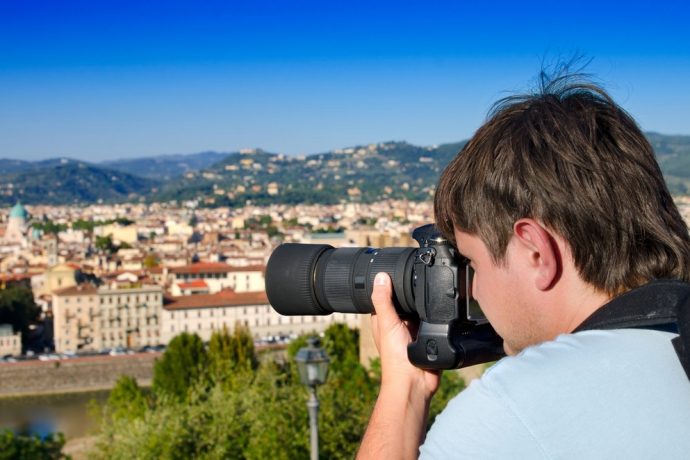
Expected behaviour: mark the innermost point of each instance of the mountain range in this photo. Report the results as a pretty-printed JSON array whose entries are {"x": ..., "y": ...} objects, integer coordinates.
[{"x": 365, "y": 173}]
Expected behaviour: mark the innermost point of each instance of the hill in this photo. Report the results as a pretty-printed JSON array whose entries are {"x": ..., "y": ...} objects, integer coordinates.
[
  {"x": 366, "y": 173},
  {"x": 362, "y": 173},
  {"x": 673, "y": 154},
  {"x": 165, "y": 167},
  {"x": 65, "y": 181}
]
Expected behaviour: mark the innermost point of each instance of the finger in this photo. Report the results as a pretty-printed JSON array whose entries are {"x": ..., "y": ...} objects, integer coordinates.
[{"x": 382, "y": 298}]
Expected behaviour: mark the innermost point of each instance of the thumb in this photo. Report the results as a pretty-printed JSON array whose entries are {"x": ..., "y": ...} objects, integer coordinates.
[{"x": 382, "y": 298}]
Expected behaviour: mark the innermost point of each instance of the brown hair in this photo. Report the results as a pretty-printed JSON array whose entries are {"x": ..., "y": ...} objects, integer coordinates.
[{"x": 571, "y": 158}]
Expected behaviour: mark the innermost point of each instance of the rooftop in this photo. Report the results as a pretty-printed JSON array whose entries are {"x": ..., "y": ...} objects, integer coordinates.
[
  {"x": 227, "y": 298},
  {"x": 214, "y": 267}
]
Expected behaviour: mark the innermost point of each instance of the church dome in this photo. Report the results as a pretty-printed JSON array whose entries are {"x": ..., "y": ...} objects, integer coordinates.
[{"x": 18, "y": 211}]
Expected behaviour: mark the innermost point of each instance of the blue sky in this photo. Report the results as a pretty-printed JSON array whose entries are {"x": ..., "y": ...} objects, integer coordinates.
[{"x": 113, "y": 79}]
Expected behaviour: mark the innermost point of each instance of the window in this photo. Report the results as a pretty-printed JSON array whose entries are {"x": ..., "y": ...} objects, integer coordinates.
[
  {"x": 198, "y": 314},
  {"x": 172, "y": 328}
]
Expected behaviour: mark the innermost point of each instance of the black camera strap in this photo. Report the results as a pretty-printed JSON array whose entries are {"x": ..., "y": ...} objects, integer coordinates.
[{"x": 662, "y": 305}]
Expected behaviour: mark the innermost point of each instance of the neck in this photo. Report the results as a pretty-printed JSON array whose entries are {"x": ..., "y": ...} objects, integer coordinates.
[{"x": 578, "y": 300}]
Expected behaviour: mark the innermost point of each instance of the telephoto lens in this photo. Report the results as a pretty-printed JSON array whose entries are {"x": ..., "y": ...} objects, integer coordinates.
[{"x": 317, "y": 279}]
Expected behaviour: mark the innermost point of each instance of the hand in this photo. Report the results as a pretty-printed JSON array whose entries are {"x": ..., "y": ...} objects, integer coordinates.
[
  {"x": 392, "y": 335},
  {"x": 397, "y": 425}
]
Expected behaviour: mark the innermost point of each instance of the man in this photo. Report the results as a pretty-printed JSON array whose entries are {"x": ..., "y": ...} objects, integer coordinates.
[{"x": 561, "y": 208}]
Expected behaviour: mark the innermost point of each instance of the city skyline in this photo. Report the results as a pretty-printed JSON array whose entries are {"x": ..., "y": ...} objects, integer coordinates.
[{"x": 103, "y": 82}]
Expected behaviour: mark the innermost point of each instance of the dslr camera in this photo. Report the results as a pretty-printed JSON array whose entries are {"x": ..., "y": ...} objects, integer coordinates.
[{"x": 431, "y": 284}]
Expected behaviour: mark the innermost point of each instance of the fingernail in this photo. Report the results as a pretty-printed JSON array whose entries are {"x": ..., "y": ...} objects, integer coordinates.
[{"x": 381, "y": 279}]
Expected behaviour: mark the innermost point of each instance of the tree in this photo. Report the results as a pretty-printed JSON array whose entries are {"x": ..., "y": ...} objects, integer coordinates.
[
  {"x": 19, "y": 447},
  {"x": 180, "y": 367},
  {"x": 105, "y": 244},
  {"x": 151, "y": 261},
  {"x": 348, "y": 396},
  {"x": 17, "y": 307},
  {"x": 249, "y": 408},
  {"x": 126, "y": 400},
  {"x": 231, "y": 353}
]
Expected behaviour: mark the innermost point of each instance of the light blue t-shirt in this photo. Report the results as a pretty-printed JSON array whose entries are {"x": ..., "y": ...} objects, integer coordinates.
[{"x": 592, "y": 395}]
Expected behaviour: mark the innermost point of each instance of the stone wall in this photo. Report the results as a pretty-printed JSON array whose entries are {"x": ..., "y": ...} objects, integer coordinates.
[{"x": 73, "y": 375}]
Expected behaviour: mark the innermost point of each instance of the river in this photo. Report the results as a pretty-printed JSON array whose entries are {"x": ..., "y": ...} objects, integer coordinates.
[{"x": 73, "y": 414}]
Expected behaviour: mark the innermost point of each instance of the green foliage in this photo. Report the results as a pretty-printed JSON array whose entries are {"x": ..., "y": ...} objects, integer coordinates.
[
  {"x": 294, "y": 346},
  {"x": 278, "y": 419},
  {"x": 180, "y": 367},
  {"x": 229, "y": 354},
  {"x": 105, "y": 244},
  {"x": 73, "y": 182},
  {"x": 48, "y": 227},
  {"x": 17, "y": 447},
  {"x": 151, "y": 261},
  {"x": 342, "y": 346},
  {"x": 85, "y": 225},
  {"x": 126, "y": 400},
  {"x": 17, "y": 307},
  {"x": 235, "y": 406}
]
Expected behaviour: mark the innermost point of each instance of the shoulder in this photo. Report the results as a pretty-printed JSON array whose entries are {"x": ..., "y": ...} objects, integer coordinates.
[
  {"x": 596, "y": 355},
  {"x": 590, "y": 385}
]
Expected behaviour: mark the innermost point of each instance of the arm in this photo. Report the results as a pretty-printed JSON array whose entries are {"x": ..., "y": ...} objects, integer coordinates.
[{"x": 397, "y": 425}]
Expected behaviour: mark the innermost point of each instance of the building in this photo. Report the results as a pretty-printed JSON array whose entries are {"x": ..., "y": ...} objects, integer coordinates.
[
  {"x": 17, "y": 224},
  {"x": 130, "y": 317},
  {"x": 118, "y": 232},
  {"x": 220, "y": 276},
  {"x": 205, "y": 313},
  {"x": 90, "y": 318},
  {"x": 75, "y": 318},
  {"x": 54, "y": 278},
  {"x": 10, "y": 343}
]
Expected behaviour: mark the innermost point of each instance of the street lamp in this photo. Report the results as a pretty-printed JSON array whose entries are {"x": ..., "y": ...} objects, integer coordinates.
[{"x": 312, "y": 363}]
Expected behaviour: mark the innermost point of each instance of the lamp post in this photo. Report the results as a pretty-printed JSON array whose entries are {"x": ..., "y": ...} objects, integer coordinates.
[{"x": 312, "y": 363}]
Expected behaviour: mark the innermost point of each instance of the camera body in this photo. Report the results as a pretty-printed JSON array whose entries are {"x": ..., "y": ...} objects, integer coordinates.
[{"x": 431, "y": 284}]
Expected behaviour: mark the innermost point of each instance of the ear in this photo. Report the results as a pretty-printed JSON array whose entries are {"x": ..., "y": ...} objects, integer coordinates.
[{"x": 541, "y": 251}]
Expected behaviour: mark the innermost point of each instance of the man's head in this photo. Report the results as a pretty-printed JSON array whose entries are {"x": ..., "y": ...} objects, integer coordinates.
[{"x": 571, "y": 159}]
